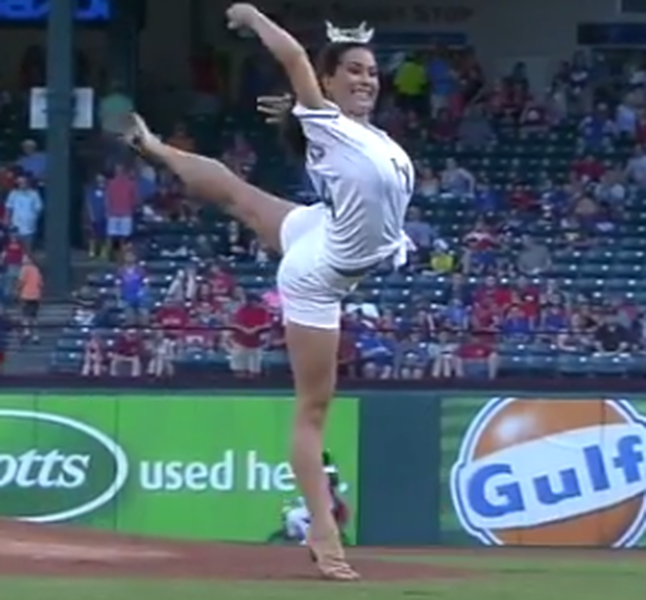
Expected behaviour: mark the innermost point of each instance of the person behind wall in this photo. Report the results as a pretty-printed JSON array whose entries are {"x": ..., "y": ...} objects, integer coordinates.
[{"x": 297, "y": 517}]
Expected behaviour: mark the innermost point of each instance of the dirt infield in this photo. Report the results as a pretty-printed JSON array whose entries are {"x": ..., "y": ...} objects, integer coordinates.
[{"x": 65, "y": 551}]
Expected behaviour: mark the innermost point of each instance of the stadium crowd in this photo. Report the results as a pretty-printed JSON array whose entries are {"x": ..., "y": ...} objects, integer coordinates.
[{"x": 526, "y": 220}]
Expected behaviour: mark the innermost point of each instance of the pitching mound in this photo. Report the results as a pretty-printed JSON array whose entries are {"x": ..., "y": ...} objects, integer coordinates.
[{"x": 65, "y": 551}]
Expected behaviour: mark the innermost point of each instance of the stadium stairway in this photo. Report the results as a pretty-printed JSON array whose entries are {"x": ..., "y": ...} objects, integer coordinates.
[{"x": 24, "y": 359}]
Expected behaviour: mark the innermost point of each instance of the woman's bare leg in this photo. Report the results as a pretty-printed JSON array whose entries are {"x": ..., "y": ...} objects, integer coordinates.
[
  {"x": 313, "y": 357},
  {"x": 209, "y": 180}
]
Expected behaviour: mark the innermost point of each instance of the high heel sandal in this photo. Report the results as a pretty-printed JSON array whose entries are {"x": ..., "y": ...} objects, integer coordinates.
[{"x": 329, "y": 558}]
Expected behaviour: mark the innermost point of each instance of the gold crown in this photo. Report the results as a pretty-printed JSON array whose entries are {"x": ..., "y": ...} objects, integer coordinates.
[{"x": 349, "y": 35}]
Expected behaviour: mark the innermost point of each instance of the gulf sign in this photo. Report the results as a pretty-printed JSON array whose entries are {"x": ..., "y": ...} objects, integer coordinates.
[{"x": 550, "y": 472}]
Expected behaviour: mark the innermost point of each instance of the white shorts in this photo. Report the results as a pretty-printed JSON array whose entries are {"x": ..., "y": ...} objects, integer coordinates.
[
  {"x": 120, "y": 227},
  {"x": 310, "y": 290}
]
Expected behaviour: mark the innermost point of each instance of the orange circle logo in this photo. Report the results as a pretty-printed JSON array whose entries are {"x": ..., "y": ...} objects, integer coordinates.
[{"x": 537, "y": 472}]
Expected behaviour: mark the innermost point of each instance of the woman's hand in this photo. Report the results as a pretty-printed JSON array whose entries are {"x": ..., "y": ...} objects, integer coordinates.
[
  {"x": 274, "y": 107},
  {"x": 242, "y": 15}
]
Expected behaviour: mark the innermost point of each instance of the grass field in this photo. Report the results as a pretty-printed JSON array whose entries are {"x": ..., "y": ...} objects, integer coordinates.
[{"x": 622, "y": 577}]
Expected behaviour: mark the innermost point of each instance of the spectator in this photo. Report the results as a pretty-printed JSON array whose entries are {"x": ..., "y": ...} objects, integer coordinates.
[
  {"x": 588, "y": 169},
  {"x": 377, "y": 353},
  {"x": 95, "y": 205},
  {"x": 626, "y": 118},
  {"x": 478, "y": 355},
  {"x": 30, "y": 285},
  {"x": 248, "y": 325},
  {"x": 457, "y": 180},
  {"x": 24, "y": 207},
  {"x": 428, "y": 185},
  {"x": 444, "y": 128},
  {"x": 533, "y": 118},
  {"x": 611, "y": 189},
  {"x": 411, "y": 357},
  {"x": 575, "y": 338},
  {"x": 480, "y": 252},
  {"x": 610, "y": 338},
  {"x": 199, "y": 337},
  {"x": 183, "y": 288},
  {"x": 475, "y": 130},
  {"x": 121, "y": 203},
  {"x": 236, "y": 242},
  {"x": 554, "y": 321},
  {"x": 411, "y": 84},
  {"x": 516, "y": 327},
  {"x": 455, "y": 316},
  {"x": 446, "y": 362},
  {"x": 442, "y": 80},
  {"x": 6, "y": 327},
  {"x": 636, "y": 168},
  {"x": 222, "y": 282},
  {"x": 534, "y": 258},
  {"x": 348, "y": 354},
  {"x": 145, "y": 177},
  {"x": 113, "y": 108},
  {"x": 240, "y": 157},
  {"x": 485, "y": 200},
  {"x": 368, "y": 311},
  {"x": 458, "y": 289},
  {"x": 442, "y": 260},
  {"x": 12, "y": 260},
  {"x": 128, "y": 352},
  {"x": 420, "y": 233},
  {"x": 132, "y": 289},
  {"x": 596, "y": 128},
  {"x": 93, "y": 356},
  {"x": 33, "y": 161},
  {"x": 173, "y": 318},
  {"x": 162, "y": 351}
]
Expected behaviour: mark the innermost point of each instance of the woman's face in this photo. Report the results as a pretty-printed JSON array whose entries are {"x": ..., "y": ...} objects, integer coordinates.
[{"x": 354, "y": 86}]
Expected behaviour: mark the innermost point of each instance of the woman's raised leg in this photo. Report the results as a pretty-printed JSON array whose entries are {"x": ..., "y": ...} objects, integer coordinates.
[{"x": 209, "y": 180}]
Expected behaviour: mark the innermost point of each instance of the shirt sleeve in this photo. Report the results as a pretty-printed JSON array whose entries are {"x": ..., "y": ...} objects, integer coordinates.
[{"x": 321, "y": 126}]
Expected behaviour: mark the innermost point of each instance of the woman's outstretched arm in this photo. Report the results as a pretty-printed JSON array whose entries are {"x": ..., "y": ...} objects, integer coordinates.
[{"x": 285, "y": 49}]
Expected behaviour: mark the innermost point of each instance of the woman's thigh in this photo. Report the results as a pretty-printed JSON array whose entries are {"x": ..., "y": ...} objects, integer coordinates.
[
  {"x": 311, "y": 293},
  {"x": 260, "y": 211}
]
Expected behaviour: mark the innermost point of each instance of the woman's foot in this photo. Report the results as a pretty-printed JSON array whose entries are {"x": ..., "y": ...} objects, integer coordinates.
[
  {"x": 329, "y": 558},
  {"x": 136, "y": 134}
]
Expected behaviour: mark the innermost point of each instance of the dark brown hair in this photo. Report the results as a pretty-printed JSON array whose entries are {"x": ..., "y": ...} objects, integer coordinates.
[{"x": 327, "y": 62}]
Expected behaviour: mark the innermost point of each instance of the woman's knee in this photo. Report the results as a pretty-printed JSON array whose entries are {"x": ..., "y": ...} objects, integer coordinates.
[
  {"x": 311, "y": 410},
  {"x": 313, "y": 353}
]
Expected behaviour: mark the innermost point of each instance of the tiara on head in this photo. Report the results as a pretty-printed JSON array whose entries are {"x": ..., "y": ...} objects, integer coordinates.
[{"x": 349, "y": 35}]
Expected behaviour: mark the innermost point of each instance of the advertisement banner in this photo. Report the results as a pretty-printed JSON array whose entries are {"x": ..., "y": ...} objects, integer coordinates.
[
  {"x": 188, "y": 466},
  {"x": 544, "y": 471}
]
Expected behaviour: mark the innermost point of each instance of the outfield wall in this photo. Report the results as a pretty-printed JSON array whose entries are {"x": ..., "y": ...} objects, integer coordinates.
[{"x": 450, "y": 468}]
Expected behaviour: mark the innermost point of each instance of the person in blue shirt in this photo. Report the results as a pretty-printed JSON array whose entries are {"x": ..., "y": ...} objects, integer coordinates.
[
  {"x": 33, "y": 161},
  {"x": 486, "y": 199},
  {"x": 516, "y": 327},
  {"x": 95, "y": 206},
  {"x": 378, "y": 349},
  {"x": 456, "y": 315},
  {"x": 553, "y": 321},
  {"x": 132, "y": 289}
]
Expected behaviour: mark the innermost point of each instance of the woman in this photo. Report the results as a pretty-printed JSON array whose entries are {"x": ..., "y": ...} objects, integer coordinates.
[{"x": 366, "y": 181}]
